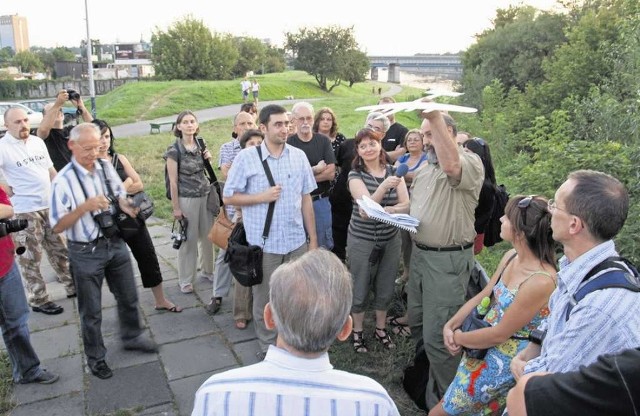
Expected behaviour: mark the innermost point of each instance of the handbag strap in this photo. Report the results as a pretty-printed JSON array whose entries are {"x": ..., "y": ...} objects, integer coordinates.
[
  {"x": 513, "y": 256},
  {"x": 107, "y": 180},
  {"x": 272, "y": 204},
  {"x": 207, "y": 166}
]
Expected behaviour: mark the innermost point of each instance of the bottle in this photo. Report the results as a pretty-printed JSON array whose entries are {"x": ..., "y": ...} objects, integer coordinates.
[{"x": 483, "y": 306}]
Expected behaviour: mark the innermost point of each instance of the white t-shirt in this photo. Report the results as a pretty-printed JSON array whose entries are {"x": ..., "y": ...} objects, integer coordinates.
[
  {"x": 246, "y": 85},
  {"x": 25, "y": 165},
  {"x": 255, "y": 87}
]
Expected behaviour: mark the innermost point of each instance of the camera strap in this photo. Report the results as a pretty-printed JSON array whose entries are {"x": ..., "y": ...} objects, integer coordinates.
[
  {"x": 272, "y": 205},
  {"x": 84, "y": 192},
  {"x": 207, "y": 165}
]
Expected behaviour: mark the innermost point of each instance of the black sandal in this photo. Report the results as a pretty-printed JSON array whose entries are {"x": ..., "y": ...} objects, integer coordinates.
[
  {"x": 399, "y": 328},
  {"x": 385, "y": 339},
  {"x": 358, "y": 343}
]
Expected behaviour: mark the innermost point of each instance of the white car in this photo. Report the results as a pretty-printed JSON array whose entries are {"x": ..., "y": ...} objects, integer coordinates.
[{"x": 35, "y": 117}]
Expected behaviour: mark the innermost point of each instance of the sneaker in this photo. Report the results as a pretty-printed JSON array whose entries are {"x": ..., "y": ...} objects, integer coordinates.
[
  {"x": 101, "y": 370},
  {"x": 214, "y": 306},
  {"x": 48, "y": 308},
  {"x": 207, "y": 276},
  {"x": 141, "y": 343},
  {"x": 45, "y": 377}
]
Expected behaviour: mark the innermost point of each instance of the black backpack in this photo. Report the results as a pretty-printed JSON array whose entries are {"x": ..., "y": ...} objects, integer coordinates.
[
  {"x": 416, "y": 376},
  {"x": 166, "y": 174},
  {"x": 492, "y": 231}
]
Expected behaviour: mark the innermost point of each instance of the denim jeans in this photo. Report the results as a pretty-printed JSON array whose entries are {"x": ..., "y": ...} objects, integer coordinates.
[
  {"x": 14, "y": 313},
  {"x": 92, "y": 263},
  {"x": 322, "y": 212}
]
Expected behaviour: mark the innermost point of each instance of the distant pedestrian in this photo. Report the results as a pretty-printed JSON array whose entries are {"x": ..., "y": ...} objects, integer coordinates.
[
  {"x": 255, "y": 90},
  {"x": 379, "y": 91},
  {"x": 245, "y": 85}
]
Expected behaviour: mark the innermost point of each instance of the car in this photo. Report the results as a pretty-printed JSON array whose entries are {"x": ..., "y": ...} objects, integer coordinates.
[
  {"x": 70, "y": 113},
  {"x": 35, "y": 117}
]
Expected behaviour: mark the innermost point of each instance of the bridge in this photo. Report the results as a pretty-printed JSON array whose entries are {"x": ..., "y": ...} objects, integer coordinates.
[{"x": 442, "y": 66}]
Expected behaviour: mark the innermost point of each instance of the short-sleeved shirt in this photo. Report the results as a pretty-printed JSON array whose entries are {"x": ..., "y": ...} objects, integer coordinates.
[
  {"x": 394, "y": 137},
  {"x": 192, "y": 181},
  {"x": 292, "y": 171},
  {"x": 229, "y": 151},
  {"x": 26, "y": 164},
  {"x": 317, "y": 149},
  {"x": 445, "y": 207},
  {"x": 610, "y": 386},
  {"x": 370, "y": 229},
  {"x": 57, "y": 143}
]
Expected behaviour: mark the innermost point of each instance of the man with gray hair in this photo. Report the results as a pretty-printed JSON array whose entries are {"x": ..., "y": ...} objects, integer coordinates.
[
  {"x": 317, "y": 148},
  {"x": 309, "y": 305}
]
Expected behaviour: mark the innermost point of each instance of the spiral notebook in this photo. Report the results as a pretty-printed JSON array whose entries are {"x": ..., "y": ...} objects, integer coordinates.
[{"x": 375, "y": 211}]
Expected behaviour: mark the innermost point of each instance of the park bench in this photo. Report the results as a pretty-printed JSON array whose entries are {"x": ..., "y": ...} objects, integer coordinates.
[{"x": 155, "y": 127}]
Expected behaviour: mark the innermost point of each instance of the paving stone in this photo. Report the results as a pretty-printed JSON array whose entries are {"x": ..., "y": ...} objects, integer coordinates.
[
  {"x": 117, "y": 357},
  {"x": 227, "y": 324},
  {"x": 162, "y": 410},
  {"x": 246, "y": 352},
  {"x": 71, "y": 380},
  {"x": 56, "y": 342},
  {"x": 70, "y": 404},
  {"x": 196, "y": 356},
  {"x": 142, "y": 385},
  {"x": 184, "y": 391},
  {"x": 39, "y": 321},
  {"x": 188, "y": 301}
]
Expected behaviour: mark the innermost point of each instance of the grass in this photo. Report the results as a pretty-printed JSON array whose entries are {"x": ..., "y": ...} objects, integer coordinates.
[{"x": 6, "y": 385}]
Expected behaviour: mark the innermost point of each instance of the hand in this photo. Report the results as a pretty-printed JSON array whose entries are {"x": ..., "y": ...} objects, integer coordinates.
[
  {"x": 362, "y": 214},
  {"x": 127, "y": 208},
  {"x": 271, "y": 194},
  {"x": 517, "y": 366},
  {"x": 390, "y": 210},
  {"x": 319, "y": 167},
  {"x": 96, "y": 203},
  {"x": 206, "y": 154},
  {"x": 61, "y": 98},
  {"x": 449, "y": 342},
  {"x": 391, "y": 182},
  {"x": 177, "y": 214}
]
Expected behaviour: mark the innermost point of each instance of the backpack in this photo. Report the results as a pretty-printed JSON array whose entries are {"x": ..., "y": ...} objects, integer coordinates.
[
  {"x": 617, "y": 276},
  {"x": 492, "y": 231},
  {"x": 416, "y": 376},
  {"x": 167, "y": 184}
]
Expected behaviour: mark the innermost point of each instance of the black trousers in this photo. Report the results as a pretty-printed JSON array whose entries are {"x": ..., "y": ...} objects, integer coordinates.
[{"x": 143, "y": 251}]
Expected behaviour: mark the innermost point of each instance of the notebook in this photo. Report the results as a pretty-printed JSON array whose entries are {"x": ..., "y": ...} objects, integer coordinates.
[{"x": 375, "y": 211}]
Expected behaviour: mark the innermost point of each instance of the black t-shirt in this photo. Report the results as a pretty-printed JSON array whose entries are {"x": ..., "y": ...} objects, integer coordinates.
[
  {"x": 394, "y": 137},
  {"x": 340, "y": 195},
  {"x": 317, "y": 149},
  {"x": 57, "y": 145},
  {"x": 610, "y": 386},
  {"x": 486, "y": 201}
]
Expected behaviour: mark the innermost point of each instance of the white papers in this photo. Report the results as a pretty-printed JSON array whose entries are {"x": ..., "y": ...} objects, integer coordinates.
[{"x": 375, "y": 211}]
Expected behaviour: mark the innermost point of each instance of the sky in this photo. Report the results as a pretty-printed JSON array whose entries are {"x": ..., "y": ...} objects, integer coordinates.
[{"x": 390, "y": 28}]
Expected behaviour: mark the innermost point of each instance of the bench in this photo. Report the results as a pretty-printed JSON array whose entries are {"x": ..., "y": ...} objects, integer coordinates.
[{"x": 155, "y": 127}]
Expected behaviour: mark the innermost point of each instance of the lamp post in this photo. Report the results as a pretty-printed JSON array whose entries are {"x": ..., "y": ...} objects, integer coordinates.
[{"x": 92, "y": 88}]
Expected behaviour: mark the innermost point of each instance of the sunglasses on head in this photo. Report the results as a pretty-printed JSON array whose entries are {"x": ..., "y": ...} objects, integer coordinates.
[{"x": 523, "y": 204}]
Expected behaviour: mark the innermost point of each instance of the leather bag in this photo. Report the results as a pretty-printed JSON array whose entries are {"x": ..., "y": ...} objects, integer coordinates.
[{"x": 221, "y": 230}]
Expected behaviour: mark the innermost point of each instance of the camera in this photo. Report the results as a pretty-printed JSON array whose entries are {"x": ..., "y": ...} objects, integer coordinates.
[
  {"x": 537, "y": 336},
  {"x": 106, "y": 223},
  {"x": 179, "y": 233},
  {"x": 12, "y": 226},
  {"x": 73, "y": 94}
]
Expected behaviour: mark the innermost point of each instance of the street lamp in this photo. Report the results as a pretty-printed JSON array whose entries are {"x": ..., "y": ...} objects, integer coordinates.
[{"x": 92, "y": 88}]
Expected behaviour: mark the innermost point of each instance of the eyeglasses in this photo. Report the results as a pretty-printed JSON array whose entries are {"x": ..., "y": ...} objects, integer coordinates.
[
  {"x": 414, "y": 139},
  {"x": 374, "y": 128},
  {"x": 552, "y": 205},
  {"x": 303, "y": 119},
  {"x": 523, "y": 204}
]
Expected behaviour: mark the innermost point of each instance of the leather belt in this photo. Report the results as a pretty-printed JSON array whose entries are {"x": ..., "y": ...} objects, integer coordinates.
[
  {"x": 450, "y": 248},
  {"x": 319, "y": 196}
]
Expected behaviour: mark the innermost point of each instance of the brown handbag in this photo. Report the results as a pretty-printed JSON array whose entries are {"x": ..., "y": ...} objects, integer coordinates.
[{"x": 221, "y": 230}]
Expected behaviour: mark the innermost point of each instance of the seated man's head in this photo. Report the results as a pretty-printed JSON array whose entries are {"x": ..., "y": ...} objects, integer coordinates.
[{"x": 310, "y": 302}]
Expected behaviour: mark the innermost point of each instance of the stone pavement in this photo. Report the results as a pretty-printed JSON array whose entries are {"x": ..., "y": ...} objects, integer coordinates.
[{"x": 193, "y": 345}]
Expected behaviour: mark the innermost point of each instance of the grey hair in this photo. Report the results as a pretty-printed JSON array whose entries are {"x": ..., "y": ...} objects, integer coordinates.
[
  {"x": 378, "y": 116},
  {"x": 311, "y": 299},
  {"x": 450, "y": 122},
  {"x": 302, "y": 104},
  {"x": 77, "y": 131}
]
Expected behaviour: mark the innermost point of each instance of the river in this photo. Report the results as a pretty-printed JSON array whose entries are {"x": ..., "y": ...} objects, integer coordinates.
[{"x": 419, "y": 81}]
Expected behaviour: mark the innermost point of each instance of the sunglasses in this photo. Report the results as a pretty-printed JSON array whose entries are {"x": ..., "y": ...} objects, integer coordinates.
[{"x": 523, "y": 204}]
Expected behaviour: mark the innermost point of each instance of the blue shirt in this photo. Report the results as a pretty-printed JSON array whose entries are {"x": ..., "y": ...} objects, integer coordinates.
[
  {"x": 284, "y": 384},
  {"x": 604, "y": 322},
  {"x": 67, "y": 195},
  {"x": 228, "y": 152},
  {"x": 292, "y": 171}
]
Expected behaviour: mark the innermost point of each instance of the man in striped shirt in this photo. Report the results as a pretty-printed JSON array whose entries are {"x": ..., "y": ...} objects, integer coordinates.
[
  {"x": 309, "y": 306},
  {"x": 589, "y": 210}
]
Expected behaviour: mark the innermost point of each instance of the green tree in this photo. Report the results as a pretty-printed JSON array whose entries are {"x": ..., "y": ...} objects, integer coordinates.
[
  {"x": 28, "y": 61},
  {"x": 357, "y": 66},
  {"x": 322, "y": 52},
  {"x": 251, "y": 55},
  {"x": 274, "y": 60},
  {"x": 188, "y": 50},
  {"x": 6, "y": 55}
]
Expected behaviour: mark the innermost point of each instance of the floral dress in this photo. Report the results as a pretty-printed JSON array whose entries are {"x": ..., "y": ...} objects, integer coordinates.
[{"x": 480, "y": 387}]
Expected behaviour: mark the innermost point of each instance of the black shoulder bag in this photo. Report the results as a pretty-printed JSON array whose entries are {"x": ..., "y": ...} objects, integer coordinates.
[
  {"x": 245, "y": 260},
  {"x": 127, "y": 226}
]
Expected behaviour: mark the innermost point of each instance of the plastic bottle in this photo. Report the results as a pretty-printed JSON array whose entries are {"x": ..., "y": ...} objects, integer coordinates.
[{"x": 483, "y": 306}]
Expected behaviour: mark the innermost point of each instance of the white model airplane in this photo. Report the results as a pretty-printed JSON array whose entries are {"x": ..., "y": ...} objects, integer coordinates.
[{"x": 425, "y": 104}]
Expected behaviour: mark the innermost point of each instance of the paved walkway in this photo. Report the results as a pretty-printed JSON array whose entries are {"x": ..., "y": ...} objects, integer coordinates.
[{"x": 193, "y": 345}]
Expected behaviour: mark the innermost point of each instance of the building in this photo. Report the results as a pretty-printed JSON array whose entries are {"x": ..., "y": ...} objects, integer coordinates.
[{"x": 14, "y": 33}]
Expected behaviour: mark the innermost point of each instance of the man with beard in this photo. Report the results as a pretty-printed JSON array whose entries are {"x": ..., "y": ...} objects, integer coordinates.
[
  {"x": 444, "y": 197},
  {"x": 28, "y": 170}
]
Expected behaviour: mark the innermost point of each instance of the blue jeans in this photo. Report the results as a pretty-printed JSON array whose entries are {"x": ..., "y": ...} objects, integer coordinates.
[
  {"x": 14, "y": 313},
  {"x": 91, "y": 264},
  {"x": 322, "y": 212}
]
